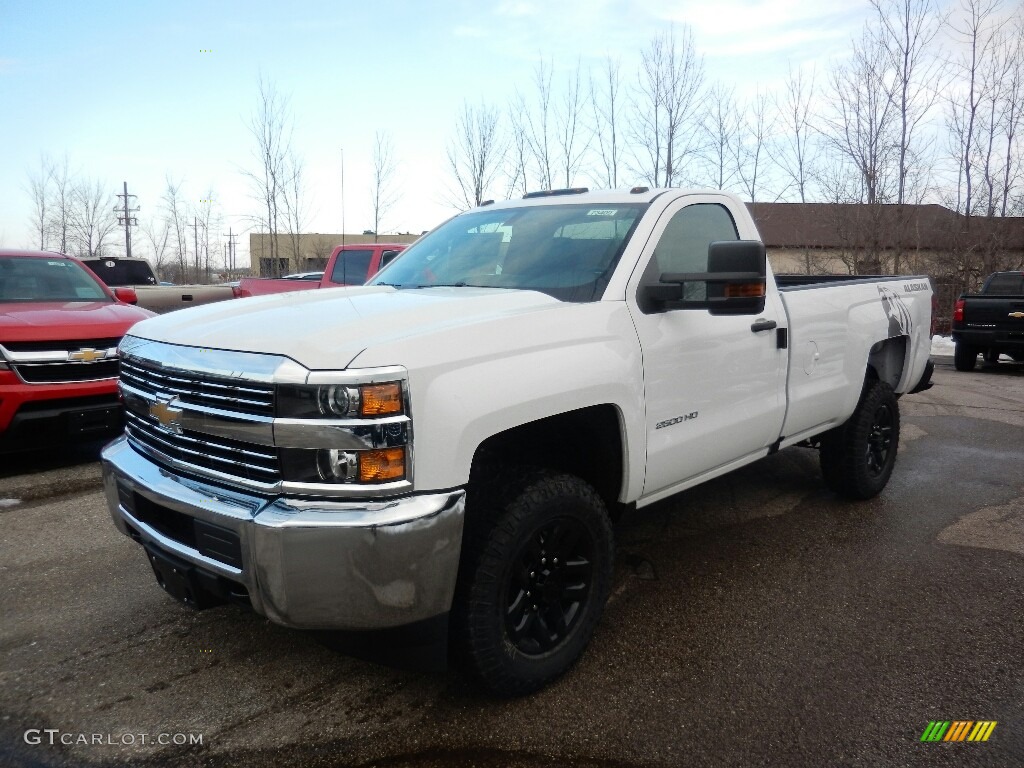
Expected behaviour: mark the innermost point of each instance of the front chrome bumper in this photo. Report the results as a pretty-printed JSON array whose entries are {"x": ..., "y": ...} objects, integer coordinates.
[{"x": 309, "y": 564}]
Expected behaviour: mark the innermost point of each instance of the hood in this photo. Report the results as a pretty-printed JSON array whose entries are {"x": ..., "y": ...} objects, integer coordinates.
[
  {"x": 61, "y": 321},
  {"x": 331, "y": 328}
]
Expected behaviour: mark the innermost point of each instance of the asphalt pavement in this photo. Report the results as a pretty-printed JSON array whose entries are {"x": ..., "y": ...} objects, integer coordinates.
[{"x": 755, "y": 620}]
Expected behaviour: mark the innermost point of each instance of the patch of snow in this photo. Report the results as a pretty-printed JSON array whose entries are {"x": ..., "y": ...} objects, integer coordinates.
[
  {"x": 943, "y": 345},
  {"x": 9, "y": 502}
]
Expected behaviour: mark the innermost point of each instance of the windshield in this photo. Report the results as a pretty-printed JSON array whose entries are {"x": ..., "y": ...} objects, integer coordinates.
[
  {"x": 565, "y": 251},
  {"x": 122, "y": 271},
  {"x": 29, "y": 279}
]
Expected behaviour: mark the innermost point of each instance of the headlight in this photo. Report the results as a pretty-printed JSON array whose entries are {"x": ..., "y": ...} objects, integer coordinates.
[
  {"x": 333, "y": 465},
  {"x": 340, "y": 401}
]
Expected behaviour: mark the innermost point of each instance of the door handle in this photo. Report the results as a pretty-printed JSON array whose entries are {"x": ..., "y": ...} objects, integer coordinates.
[{"x": 763, "y": 325}]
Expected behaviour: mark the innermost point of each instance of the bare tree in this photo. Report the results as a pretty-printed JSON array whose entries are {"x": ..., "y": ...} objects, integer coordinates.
[
  {"x": 753, "y": 145},
  {"x": 271, "y": 127},
  {"x": 906, "y": 30},
  {"x": 607, "y": 106},
  {"x": 797, "y": 151},
  {"x": 721, "y": 126},
  {"x": 1012, "y": 116},
  {"x": 61, "y": 205},
  {"x": 978, "y": 32},
  {"x": 569, "y": 126},
  {"x": 293, "y": 197},
  {"x": 39, "y": 183},
  {"x": 667, "y": 105},
  {"x": 517, "y": 156},
  {"x": 208, "y": 214},
  {"x": 533, "y": 122},
  {"x": 92, "y": 217},
  {"x": 383, "y": 194},
  {"x": 320, "y": 248},
  {"x": 175, "y": 214},
  {"x": 475, "y": 154},
  {"x": 861, "y": 125},
  {"x": 157, "y": 231}
]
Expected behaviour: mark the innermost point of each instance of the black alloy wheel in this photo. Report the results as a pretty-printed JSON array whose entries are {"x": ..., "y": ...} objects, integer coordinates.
[
  {"x": 537, "y": 558},
  {"x": 858, "y": 456},
  {"x": 880, "y": 440},
  {"x": 549, "y": 582}
]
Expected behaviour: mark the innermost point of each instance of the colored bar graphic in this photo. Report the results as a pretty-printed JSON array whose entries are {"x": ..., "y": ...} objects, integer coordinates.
[
  {"x": 958, "y": 730},
  {"x": 935, "y": 731}
]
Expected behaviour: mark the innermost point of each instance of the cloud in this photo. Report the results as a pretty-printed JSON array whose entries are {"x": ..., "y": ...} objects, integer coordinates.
[
  {"x": 766, "y": 25},
  {"x": 474, "y": 32},
  {"x": 516, "y": 9}
]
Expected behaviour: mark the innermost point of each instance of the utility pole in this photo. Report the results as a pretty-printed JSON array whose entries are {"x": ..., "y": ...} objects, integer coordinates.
[
  {"x": 231, "y": 251},
  {"x": 195, "y": 237},
  {"x": 343, "y": 196},
  {"x": 125, "y": 220}
]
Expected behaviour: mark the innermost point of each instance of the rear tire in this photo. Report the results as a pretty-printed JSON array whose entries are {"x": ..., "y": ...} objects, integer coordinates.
[
  {"x": 535, "y": 576},
  {"x": 857, "y": 457},
  {"x": 965, "y": 357}
]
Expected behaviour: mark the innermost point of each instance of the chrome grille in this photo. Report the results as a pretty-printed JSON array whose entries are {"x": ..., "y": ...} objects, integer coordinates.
[
  {"x": 249, "y": 397},
  {"x": 258, "y": 463},
  {"x": 62, "y": 361}
]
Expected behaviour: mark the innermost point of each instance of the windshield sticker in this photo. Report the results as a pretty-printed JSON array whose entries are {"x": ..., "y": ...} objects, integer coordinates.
[
  {"x": 57, "y": 263},
  {"x": 602, "y": 212}
]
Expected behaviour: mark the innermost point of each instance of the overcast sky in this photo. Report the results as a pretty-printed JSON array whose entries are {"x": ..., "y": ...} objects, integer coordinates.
[{"x": 139, "y": 91}]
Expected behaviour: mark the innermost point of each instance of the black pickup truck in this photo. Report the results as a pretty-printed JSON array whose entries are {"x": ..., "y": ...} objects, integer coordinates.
[{"x": 990, "y": 323}]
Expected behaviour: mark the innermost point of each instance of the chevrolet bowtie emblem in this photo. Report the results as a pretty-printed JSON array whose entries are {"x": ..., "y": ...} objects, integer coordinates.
[
  {"x": 166, "y": 415},
  {"x": 87, "y": 355},
  {"x": 1017, "y": 315}
]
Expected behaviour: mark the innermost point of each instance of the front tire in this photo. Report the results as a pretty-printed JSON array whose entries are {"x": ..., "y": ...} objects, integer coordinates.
[
  {"x": 965, "y": 357},
  {"x": 535, "y": 578},
  {"x": 857, "y": 457}
]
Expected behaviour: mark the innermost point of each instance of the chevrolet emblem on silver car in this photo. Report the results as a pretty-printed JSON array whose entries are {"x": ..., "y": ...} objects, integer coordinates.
[{"x": 166, "y": 414}]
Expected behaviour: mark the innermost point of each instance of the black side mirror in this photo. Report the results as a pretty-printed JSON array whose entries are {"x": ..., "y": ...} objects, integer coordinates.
[{"x": 735, "y": 280}]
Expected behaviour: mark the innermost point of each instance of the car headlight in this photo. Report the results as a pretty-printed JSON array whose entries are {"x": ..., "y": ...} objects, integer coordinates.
[
  {"x": 333, "y": 465},
  {"x": 372, "y": 420},
  {"x": 340, "y": 401}
]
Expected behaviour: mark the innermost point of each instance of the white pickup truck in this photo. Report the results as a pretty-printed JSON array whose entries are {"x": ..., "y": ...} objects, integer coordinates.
[{"x": 450, "y": 443}]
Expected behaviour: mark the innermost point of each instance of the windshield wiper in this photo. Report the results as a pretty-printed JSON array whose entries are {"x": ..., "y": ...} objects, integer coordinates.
[{"x": 446, "y": 285}]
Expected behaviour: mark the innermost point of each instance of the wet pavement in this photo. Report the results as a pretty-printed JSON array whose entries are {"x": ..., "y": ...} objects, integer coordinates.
[{"x": 754, "y": 620}]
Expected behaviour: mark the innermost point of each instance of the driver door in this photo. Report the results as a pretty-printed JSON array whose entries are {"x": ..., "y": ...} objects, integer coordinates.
[{"x": 714, "y": 386}]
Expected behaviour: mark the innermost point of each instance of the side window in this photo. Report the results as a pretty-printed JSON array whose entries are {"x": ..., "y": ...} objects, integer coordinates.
[
  {"x": 684, "y": 245},
  {"x": 351, "y": 267}
]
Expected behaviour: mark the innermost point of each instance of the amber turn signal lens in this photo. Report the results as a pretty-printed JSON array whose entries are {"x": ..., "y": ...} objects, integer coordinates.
[
  {"x": 744, "y": 291},
  {"x": 382, "y": 466},
  {"x": 382, "y": 399}
]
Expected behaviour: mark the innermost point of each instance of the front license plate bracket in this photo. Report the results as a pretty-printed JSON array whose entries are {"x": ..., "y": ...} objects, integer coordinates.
[{"x": 179, "y": 579}]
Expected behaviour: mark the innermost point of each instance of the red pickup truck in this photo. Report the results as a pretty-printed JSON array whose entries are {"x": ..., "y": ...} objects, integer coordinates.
[
  {"x": 59, "y": 331},
  {"x": 348, "y": 265}
]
